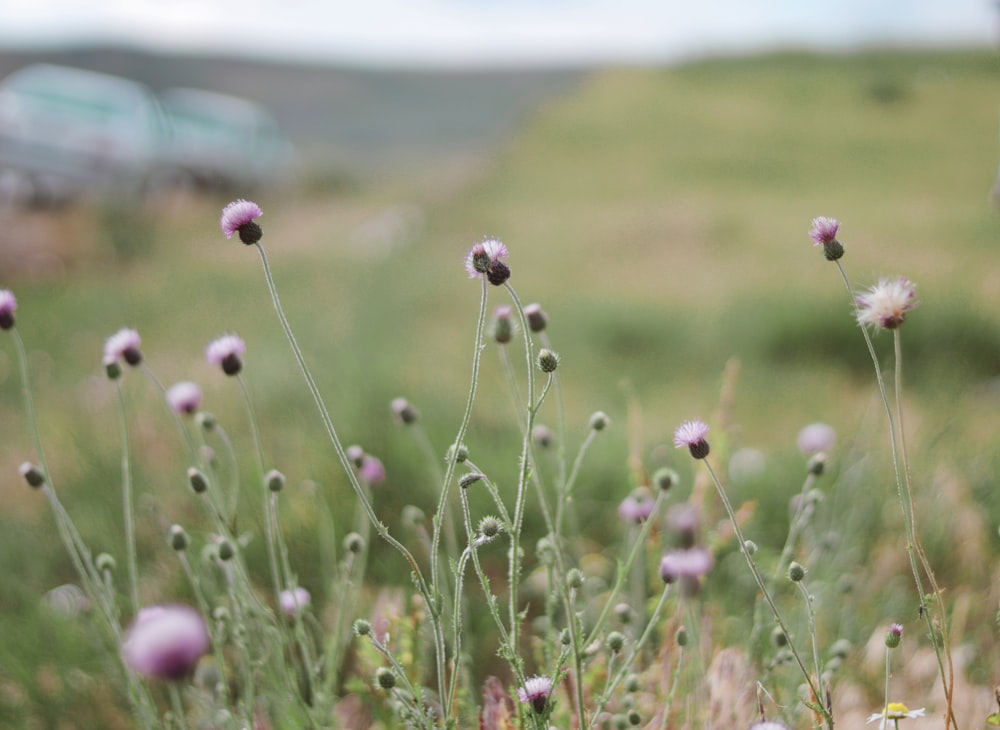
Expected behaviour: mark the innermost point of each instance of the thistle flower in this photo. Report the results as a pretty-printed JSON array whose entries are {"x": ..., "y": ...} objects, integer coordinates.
[
  {"x": 184, "y": 397},
  {"x": 404, "y": 411},
  {"x": 8, "y": 303},
  {"x": 692, "y": 434},
  {"x": 238, "y": 217},
  {"x": 225, "y": 352},
  {"x": 537, "y": 319},
  {"x": 690, "y": 562},
  {"x": 816, "y": 438},
  {"x": 535, "y": 692},
  {"x": 894, "y": 635},
  {"x": 637, "y": 507},
  {"x": 769, "y": 725},
  {"x": 294, "y": 601},
  {"x": 895, "y": 711},
  {"x": 503, "y": 325},
  {"x": 165, "y": 642},
  {"x": 886, "y": 304},
  {"x": 484, "y": 258},
  {"x": 824, "y": 233},
  {"x": 371, "y": 470},
  {"x": 123, "y": 345},
  {"x": 824, "y": 230}
]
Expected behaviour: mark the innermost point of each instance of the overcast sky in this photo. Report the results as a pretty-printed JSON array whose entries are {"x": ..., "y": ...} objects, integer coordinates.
[{"x": 406, "y": 32}]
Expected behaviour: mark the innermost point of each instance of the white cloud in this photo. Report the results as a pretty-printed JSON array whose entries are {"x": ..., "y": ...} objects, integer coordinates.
[{"x": 455, "y": 31}]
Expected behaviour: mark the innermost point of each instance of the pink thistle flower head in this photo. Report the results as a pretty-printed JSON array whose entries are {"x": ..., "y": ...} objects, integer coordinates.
[
  {"x": 184, "y": 397},
  {"x": 123, "y": 345},
  {"x": 688, "y": 562},
  {"x": 502, "y": 325},
  {"x": 226, "y": 352},
  {"x": 824, "y": 230},
  {"x": 484, "y": 258},
  {"x": 371, "y": 470},
  {"x": 535, "y": 692},
  {"x": 166, "y": 642},
  {"x": 637, "y": 507},
  {"x": 239, "y": 217},
  {"x": 816, "y": 438},
  {"x": 8, "y": 303},
  {"x": 294, "y": 601},
  {"x": 692, "y": 435},
  {"x": 886, "y": 304}
]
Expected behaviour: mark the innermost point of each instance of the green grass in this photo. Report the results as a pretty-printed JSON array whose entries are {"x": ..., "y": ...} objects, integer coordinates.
[{"x": 660, "y": 216}]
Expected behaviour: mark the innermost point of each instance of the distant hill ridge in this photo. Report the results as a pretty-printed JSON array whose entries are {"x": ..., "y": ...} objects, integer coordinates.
[{"x": 350, "y": 117}]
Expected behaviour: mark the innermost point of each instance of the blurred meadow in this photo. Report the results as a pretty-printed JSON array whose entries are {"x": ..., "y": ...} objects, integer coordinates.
[{"x": 660, "y": 217}]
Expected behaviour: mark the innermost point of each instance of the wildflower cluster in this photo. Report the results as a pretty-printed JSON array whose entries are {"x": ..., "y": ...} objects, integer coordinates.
[{"x": 578, "y": 645}]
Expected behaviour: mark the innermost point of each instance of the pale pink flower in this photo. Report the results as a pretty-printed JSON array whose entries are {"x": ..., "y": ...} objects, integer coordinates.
[
  {"x": 166, "y": 642},
  {"x": 123, "y": 345},
  {"x": 824, "y": 230},
  {"x": 535, "y": 692},
  {"x": 227, "y": 352},
  {"x": 816, "y": 438},
  {"x": 886, "y": 304},
  {"x": 691, "y": 562},
  {"x": 294, "y": 601},
  {"x": 484, "y": 258},
  {"x": 8, "y": 303},
  {"x": 371, "y": 470},
  {"x": 692, "y": 435},
  {"x": 238, "y": 217},
  {"x": 184, "y": 397},
  {"x": 636, "y": 507}
]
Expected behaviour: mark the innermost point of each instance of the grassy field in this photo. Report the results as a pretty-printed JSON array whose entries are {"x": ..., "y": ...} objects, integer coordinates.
[{"x": 660, "y": 216}]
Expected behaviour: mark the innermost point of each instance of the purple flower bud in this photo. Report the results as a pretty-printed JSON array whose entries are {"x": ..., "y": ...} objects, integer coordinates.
[{"x": 166, "y": 642}]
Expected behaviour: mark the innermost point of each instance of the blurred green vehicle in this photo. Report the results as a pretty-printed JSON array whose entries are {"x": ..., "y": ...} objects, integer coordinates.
[
  {"x": 221, "y": 142},
  {"x": 65, "y": 132}
]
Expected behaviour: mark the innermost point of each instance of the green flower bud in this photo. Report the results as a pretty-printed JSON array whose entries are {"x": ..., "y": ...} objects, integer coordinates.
[
  {"x": 574, "y": 578},
  {"x": 354, "y": 543},
  {"x": 467, "y": 480},
  {"x": 177, "y": 538},
  {"x": 274, "y": 480},
  {"x": 796, "y": 572},
  {"x": 599, "y": 421},
  {"x": 615, "y": 641},
  {"x": 362, "y": 627},
  {"x": 198, "y": 481},
  {"x": 548, "y": 361},
  {"x": 385, "y": 678}
]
